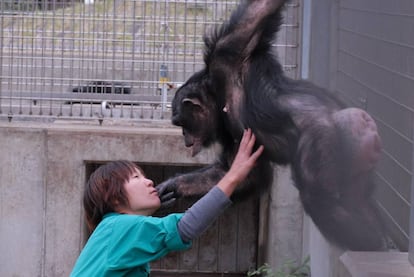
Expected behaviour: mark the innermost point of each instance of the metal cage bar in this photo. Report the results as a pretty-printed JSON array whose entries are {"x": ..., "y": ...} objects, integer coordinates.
[{"x": 53, "y": 48}]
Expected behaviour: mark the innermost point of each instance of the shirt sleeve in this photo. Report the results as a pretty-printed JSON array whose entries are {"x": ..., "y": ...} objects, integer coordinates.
[
  {"x": 202, "y": 214},
  {"x": 137, "y": 240}
]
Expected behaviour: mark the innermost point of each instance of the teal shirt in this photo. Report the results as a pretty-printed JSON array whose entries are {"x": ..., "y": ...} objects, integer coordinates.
[{"x": 124, "y": 245}]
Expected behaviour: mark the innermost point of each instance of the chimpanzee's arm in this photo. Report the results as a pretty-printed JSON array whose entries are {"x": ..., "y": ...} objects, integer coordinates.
[
  {"x": 238, "y": 37},
  {"x": 194, "y": 183},
  {"x": 199, "y": 182}
]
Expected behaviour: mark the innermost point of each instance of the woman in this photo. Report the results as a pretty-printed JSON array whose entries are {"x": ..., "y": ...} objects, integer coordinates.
[{"x": 119, "y": 201}]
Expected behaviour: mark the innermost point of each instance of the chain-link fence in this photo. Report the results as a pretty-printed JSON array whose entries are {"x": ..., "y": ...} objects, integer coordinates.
[{"x": 121, "y": 59}]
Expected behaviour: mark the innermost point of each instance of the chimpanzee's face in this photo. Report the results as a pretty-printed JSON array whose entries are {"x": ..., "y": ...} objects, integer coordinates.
[{"x": 195, "y": 112}]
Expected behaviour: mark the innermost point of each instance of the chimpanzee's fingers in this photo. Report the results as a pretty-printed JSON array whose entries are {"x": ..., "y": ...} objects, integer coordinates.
[
  {"x": 169, "y": 203},
  {"x": 162, "y": 188},
  {"x": 165, "y": 197}
]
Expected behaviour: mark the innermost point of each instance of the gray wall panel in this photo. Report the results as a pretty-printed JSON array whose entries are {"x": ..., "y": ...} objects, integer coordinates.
[
  {"x": 364, "y": 51},
  {"x": 376, "y": 57}
]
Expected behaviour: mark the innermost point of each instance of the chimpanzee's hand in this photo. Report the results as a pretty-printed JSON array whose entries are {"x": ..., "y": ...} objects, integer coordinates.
[{"x": 167, "y": 192}]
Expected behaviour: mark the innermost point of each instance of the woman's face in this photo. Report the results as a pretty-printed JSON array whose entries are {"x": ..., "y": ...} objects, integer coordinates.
[{"x": 142, "y": 195}]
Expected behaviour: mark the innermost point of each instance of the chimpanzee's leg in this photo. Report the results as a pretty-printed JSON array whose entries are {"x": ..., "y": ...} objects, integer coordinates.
[
  {"x": 335, "y": 191},
  {"x": 359, "y": 131}
]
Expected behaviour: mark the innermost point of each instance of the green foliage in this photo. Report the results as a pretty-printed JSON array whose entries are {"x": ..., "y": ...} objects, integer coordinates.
[{"x": 288, "y": 269}]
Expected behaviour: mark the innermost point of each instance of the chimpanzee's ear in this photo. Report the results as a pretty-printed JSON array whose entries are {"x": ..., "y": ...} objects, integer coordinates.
[{"x": 193, "y": 101}]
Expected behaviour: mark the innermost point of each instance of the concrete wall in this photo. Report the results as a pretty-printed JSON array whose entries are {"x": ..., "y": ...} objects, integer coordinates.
[
  {"x": 42, "y": 175},
  {"x": 41, "y": 183},
  {"x": 282, "y": 217},
  {"x": 22, "y": 201}
]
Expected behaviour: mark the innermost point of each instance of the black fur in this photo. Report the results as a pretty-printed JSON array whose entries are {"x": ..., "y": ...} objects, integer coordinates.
[{"x": 332, "y": 150}]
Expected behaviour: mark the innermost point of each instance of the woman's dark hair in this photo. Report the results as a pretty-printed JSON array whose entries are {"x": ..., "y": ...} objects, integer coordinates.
[{"x": 105, "y": 190}]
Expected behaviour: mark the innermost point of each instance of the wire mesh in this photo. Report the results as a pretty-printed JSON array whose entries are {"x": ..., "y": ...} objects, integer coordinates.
[{"x": 109, "y": 58}]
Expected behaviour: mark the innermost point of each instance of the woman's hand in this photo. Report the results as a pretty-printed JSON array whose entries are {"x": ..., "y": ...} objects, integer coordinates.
[{"x": 242, "y": 164}]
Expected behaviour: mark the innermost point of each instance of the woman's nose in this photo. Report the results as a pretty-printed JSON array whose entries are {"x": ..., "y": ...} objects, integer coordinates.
[{"x": 150, "y": 183}]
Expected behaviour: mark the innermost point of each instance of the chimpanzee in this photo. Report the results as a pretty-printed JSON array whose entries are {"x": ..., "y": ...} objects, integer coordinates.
[{"x": 332, "y": 149}]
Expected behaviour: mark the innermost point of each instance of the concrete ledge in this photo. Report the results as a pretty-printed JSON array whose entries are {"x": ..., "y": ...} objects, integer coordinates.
[{"x": 376, "y": 264}]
